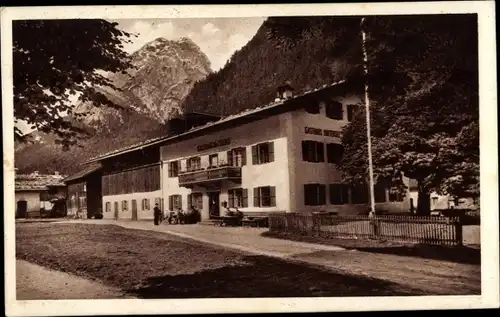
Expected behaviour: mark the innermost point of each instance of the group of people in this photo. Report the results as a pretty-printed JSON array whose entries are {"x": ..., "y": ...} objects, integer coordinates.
[{"x": 177, "y": 217}]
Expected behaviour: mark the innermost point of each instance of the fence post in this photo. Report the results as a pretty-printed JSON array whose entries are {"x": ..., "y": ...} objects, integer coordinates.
[
  {"x": 374, "y": 225},
  {"x": 459, "y": 231}
]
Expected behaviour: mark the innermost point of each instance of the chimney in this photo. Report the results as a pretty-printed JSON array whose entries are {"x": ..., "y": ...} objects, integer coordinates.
[
  {"x": 285, "y": 91},
  {"x": 56, "y": 173}
]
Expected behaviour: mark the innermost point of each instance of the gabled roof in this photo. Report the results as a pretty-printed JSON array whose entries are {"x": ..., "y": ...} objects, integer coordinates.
[
  {"x": 37, "y": 182},
  {"x": 246, "y": 113},
  {"x": 84, "y": 172}
]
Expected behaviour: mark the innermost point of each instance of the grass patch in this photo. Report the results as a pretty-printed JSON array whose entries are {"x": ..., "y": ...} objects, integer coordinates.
[{"x": 154, "y": 265}]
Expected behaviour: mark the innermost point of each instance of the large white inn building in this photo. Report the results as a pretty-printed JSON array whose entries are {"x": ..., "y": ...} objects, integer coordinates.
[{"x": 276, "y": 158}]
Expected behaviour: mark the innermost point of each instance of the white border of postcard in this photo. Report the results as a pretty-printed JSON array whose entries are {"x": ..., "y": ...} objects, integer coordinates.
[{"x": 488, "y": 161}]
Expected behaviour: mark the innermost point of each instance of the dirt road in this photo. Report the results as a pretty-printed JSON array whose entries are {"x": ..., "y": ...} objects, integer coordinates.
[{"x": 39, "y": 283}]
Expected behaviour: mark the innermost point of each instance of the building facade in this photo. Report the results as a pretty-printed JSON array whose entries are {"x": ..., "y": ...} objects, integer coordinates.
[
  {"x": 35, "y": 192},
  {"x": 277, "y": 158}
]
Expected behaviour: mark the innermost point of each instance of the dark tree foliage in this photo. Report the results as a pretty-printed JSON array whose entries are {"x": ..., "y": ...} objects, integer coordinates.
[
  {"x": 56, "y": 59},
  {"x": 423, "y": 88},
  {"x": 251, "y": 76}
]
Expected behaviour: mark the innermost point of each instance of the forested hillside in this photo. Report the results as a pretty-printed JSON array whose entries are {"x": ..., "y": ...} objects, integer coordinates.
[{"x": 251, "y": 76}]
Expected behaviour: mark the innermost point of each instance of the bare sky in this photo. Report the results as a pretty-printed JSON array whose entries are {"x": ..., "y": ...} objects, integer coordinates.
[{"x": 218, "y": 38}]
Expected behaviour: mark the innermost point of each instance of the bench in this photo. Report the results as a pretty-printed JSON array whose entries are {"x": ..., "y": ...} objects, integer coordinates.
[{"x": 255, "y": 219}]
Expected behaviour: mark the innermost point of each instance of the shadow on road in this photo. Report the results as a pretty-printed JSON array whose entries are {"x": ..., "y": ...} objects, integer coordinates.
[
  {"x": 266, "y": 277},
  {"x": 464, "y": 255}
]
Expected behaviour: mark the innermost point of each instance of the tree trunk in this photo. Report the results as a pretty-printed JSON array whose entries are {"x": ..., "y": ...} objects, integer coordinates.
[{"x": 423, "y": 202}]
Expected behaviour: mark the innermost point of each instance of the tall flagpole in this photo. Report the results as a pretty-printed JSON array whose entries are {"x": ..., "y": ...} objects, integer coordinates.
[{"x": 368, "y": 133}]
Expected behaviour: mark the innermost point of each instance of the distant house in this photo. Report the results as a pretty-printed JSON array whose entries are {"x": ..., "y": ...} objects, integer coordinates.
[
  {"x": 443, "y": 202},
  {"x": 34, "y": 193}
]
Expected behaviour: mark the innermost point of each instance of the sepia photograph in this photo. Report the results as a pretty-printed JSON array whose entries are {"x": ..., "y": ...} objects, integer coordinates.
[{"x": 278, "y": 152}]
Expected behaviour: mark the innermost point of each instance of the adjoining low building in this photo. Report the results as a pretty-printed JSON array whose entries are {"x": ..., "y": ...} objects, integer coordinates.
[
  {"x": 274, "y": 158},
  {"x": 84, "y": 192},
  {"x": 35, "y": 193}
]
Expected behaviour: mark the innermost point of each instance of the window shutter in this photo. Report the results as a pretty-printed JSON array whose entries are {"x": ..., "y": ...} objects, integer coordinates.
[
  {"x": 245, "y": 197},
  {"x": 189, "y": 200},
  {"x": 230, "y": 157},
  {"x": 329, "y": 154},
  {"x": 304, "y": 150},
  {"x": 243, "y": 156},
  {"x": 256, "y": 197},
  {"x": 350, "y": 112},
  {"x": 306, "y": 195},
  {"x": 322, "y": 194},
  {"x": 170, "y": 165},
  {"x": 230, "y": 198},
  {"x": 321, "y": 151},
  {"x": 271, "y": 151},
  {"x": 272, "y": 191},
  {"x": 255, "y": 158},
  {"x": 170, "y": 203},
  {"x": 180, "y": 201}
]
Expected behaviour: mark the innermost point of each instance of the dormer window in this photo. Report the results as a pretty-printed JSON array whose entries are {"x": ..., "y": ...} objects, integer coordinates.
[{"x": 313, "y": 107}]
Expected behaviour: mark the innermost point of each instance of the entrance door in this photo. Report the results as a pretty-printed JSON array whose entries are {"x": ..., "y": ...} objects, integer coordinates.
[
  {"x": 22, "y": 209},
  {"x": 134, "y": 209},
  {"x": 214, "y": 203}
]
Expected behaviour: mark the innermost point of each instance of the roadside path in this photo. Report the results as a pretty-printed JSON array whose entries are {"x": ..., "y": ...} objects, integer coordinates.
[{"x": 34, "y": 282}]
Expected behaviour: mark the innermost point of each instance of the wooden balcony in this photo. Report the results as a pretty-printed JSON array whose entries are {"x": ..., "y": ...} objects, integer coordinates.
[{"x": 210, "y": 177}]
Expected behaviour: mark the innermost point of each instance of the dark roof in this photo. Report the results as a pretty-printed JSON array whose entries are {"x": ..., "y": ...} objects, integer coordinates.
[
  {"x": 37, "y": 182},
  {"x": 245, "y": 113},
  {"x": 84, "y": 172}
]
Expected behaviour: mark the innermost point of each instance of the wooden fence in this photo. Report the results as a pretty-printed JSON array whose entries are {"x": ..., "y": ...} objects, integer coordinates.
[{"x": 413, "y": 229}]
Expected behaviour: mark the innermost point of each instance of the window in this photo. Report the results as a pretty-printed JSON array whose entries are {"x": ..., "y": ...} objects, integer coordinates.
[
  {"x": 395, "y": 195},
  {"x": 213, "y": 160},
  {"x": 124, "y": 205},
  {"x": 314, "y": 194},
  {"x": 350, "y": 112},
  {"x": 313, "y": 151},
  {"x": 264, "y": 196},
  {"x": 313, "y": 108},
  {"x": 174, "y": 202},
  {"x": 339, "y": 194},
  {"x": 359, "y": 194},
  {"x": 193, "y": 163},
  {"x": 238, "y": 197},
  {"x": 82, "y": 201},
  {"x": 236, "y": 157},
  {"x": 380, "y": 193},
  {"x": 263, "y": 153},
  {"x": 195, "y": 200},
  {"x": 334, "y": 110},
  {"x": 173, "y": 169},
  {"x": 116, "y": 207},
  {"x": 334, "y": 152},
  {"x": 108, "y": 207},
  {"x": 434, "y": 201},
  {"x": 145, "y": 204}
]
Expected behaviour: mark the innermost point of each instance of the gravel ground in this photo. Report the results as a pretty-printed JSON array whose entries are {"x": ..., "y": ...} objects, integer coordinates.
[{"x": 35, "y": 282}]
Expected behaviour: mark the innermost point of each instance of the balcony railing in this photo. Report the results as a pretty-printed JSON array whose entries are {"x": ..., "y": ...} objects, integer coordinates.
[{"x": 209, "y": 175}]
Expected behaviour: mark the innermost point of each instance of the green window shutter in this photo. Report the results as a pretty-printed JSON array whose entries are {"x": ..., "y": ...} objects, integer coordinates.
[
  {"x": 245, "y": 197},
  {"x": 190, "y": 201},
  {"x": 255, "y": 157},
  {"x": 322, "y": 194},
  {"x": 271, "y": 151},
  {"x": 243, "y": 156},
  {"x": 230, "y": 200},
  {"x": 170, "y": 203},
  {"x": 321, "y": 151},
  {"x": 272, "y": 190},
  {"x": 230, "y": 157},
  {"x": 256, "y": 197}
]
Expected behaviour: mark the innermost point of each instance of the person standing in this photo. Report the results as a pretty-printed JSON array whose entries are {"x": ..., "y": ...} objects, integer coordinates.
[{"x": 157, "y": 214}]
